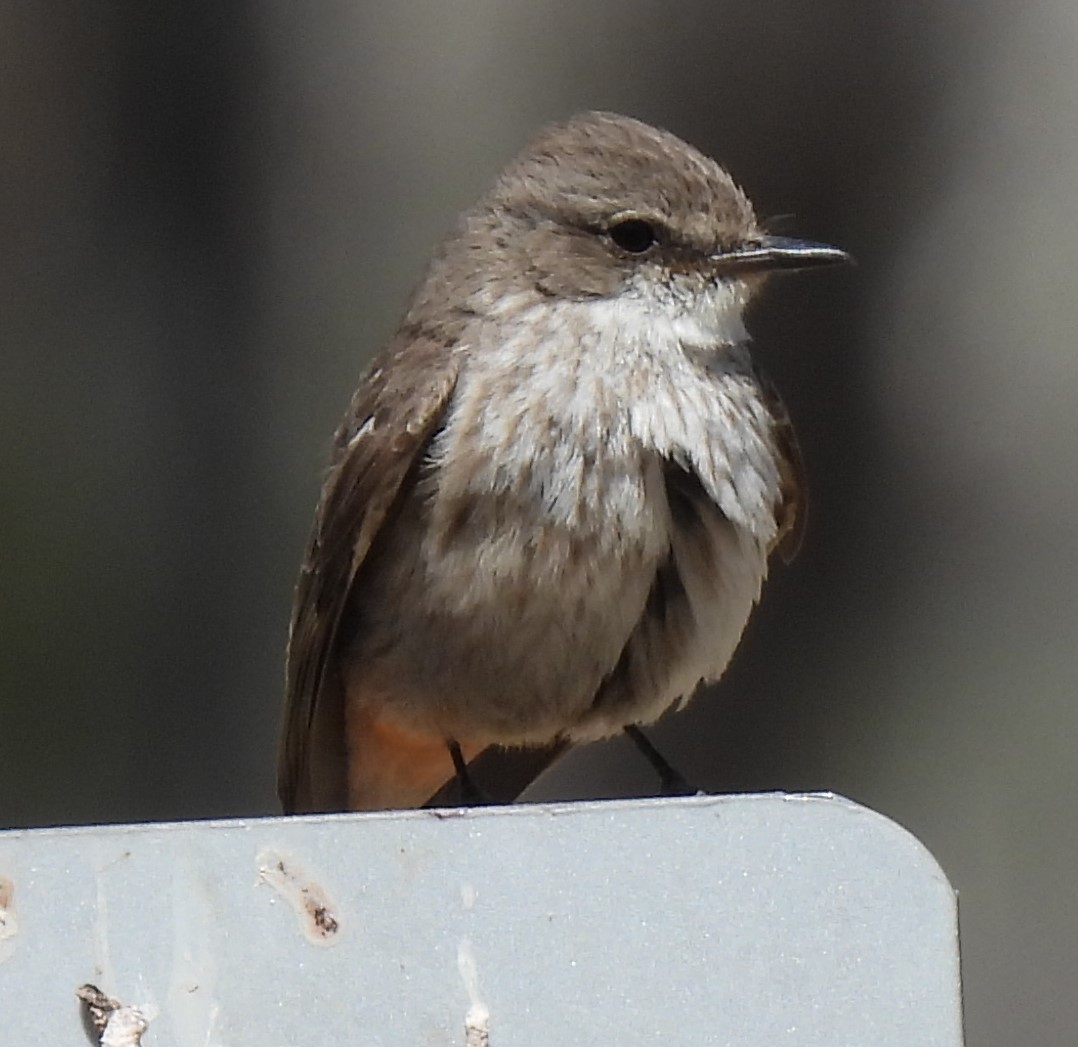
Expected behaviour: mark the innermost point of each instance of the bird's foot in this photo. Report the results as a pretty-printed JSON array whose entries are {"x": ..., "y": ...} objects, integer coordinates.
[
  {"x": 469, "y": 794},
  {"x": 671, "y": 781}
]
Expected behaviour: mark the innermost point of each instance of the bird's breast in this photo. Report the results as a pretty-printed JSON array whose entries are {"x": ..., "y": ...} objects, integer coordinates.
[{"x": 543, "y": 519}]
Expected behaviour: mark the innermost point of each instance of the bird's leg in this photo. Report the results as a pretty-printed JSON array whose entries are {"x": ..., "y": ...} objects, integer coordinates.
[
  {"x": 671, "y": 782},
  {"x": 470, "y": 794}
]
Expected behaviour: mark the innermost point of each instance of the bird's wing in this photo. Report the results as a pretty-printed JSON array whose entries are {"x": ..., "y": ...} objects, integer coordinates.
[{"x": 395, "y": 412}]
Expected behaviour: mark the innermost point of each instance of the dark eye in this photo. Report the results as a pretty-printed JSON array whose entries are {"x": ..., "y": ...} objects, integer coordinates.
[{"x": 634, "y": 235}]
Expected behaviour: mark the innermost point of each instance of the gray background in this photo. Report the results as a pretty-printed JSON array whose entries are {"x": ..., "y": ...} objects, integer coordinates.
[{"x": 211, "y": 213}]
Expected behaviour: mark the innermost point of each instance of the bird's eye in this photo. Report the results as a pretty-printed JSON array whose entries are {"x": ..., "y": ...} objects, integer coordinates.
[{"x": 634, "y": 235}]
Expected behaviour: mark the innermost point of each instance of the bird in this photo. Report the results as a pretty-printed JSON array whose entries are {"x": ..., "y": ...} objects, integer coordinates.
[{"x": 552, "y": 502}]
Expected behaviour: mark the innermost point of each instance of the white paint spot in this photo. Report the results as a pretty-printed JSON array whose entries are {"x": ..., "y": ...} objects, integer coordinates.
[
  {"x": 9, "y": 919},
  {"x": 477, "y": 1018},
  {"x": 317, "y": 914}
]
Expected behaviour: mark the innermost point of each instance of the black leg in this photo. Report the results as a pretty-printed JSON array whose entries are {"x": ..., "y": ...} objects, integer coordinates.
[
  {"x": 671, "y": 782},
  {"x": 470, "y": 793},
  {"x": 502, "y": 774}
]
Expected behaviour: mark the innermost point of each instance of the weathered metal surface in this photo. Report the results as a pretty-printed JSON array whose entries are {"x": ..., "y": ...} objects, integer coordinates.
[{"x": 741, "y": 920}]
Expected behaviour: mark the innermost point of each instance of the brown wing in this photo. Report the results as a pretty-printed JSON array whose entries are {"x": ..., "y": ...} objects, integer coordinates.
[
  {"x": 793, "y": 510},
  {"x": 393, "y": 415}
]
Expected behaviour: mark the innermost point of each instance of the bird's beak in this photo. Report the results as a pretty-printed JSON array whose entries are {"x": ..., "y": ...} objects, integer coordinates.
[{"x": 770, "y": 253}]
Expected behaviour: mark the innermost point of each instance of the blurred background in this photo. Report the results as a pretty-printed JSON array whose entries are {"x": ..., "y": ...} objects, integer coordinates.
[{"x": 213, "y": 213}]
